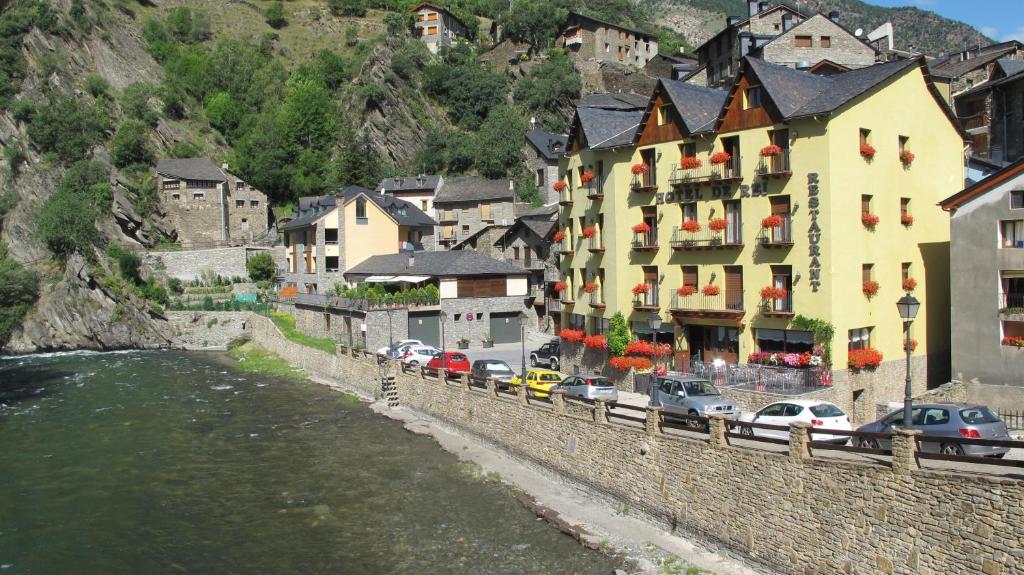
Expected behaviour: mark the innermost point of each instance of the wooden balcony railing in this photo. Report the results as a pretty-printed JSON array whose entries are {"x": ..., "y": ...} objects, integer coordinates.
[
  {"x": 731, "y": 237},
  {"x": 723, "y": 305}
]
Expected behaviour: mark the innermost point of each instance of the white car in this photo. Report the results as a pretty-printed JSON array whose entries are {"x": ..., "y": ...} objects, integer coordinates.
[
  {"x": 399, "y": 348},
  {"x": 815, "y": 412},
  {"x": 417, "y": 355}
]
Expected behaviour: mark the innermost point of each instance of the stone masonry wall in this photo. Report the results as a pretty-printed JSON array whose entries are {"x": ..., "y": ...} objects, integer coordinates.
[
  {"x": 206, "y": 329},
  {"x": 189, "y": 264},
  {"x": 791, "y": 512}
]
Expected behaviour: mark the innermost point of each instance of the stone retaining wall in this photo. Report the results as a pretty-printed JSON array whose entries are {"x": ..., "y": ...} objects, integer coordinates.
[
  {"x": 189, "y": 264},
  {"x": 206, "y": 329},
  {"x": 795, "y": 513}
]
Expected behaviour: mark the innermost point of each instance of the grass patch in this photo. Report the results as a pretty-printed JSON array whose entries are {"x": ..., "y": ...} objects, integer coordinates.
[
  {"x": 286, "y": 324},
  {"x": 255, "y": 359}
]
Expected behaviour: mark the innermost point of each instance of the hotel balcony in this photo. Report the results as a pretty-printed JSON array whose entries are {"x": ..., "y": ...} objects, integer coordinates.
[
  {"x": 779, "y": 236},
  {"x": 724, "y": 305},
  {"x": 595, "y": 245},
  {"x": 707, "y": 173},
  {"x": 647, "y": 302},
  {"x": 565, "y": 197},
  {"x": 595, "y": 191},
  {"x": 782, "y": 307},
  {"x": 565, "y": 247},
  {"x": 643, "y": 184},
  {"x": 596, "y": 298},
  {"x": 647, "y": 242},
  {"x": 553, "y": 304},
  {"x": 776, "y": 166},
  {"x": 1011, "y": 303},
  {"x": 447, "y": 216},
  {"x": 730, "y": 237}
]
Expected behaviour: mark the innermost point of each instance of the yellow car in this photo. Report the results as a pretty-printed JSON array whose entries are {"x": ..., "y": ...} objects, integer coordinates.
[{"x": 538, "y": 381}]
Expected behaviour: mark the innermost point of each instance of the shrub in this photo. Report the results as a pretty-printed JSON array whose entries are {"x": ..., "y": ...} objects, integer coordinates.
[
  {"x": 67, "y": 129},
  {"x": 135, "y": 102},
  {"x": 127, "y": 263},
  {"x": 260, "y": 267},
  {"x": 19, "y": 288},
  {"x": 275, "y": 15},
  {"x": 130, "y": 145},
  {"x": 97, "y": 86},
  {"x": 67, "y": 221},
  {"x": 347, "y": 7},
  {"x": 174, "y": 285},
  {"x": 618, "y": 334}
]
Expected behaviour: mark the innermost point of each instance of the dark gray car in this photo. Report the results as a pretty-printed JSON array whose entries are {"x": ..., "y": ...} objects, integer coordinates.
[
  {"x": 494, "y": 369},
  {"x": 947, "y": 423},
  {"x": 691, "y": 395},
  {"x": 547, "y": 355}
]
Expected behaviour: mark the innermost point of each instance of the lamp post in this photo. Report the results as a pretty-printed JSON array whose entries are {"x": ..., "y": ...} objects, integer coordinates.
[
  {"x": 654, "y": 322},
  {"x": 391, "y": 334},
  {"x": 442, "y": 315},
  {"x": 908, "y": 307},
  {"x": 522, "y": 344}
]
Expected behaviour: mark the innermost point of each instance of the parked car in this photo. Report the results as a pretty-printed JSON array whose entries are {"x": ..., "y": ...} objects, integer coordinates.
[
  {"x": 589, "y": 387},
  {"x": 494, "y": 369},
  {"x": 547, "y": 354},
  {"x": 691, "y": 395},
  {"x": 813, "y": 411},
  {"x": 454, "y": 361},
  {"x": 947, "y": 422},
  {"x": 539, "y": 381},
  {"x": 417, "y": 355},
  {"x": 395, "y": 351}
]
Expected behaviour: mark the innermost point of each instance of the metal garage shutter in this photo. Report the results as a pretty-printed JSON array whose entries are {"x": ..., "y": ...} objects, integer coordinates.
[{"x": 505, "y": 327}]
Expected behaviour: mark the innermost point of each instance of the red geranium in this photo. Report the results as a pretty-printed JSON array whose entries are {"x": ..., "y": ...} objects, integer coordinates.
[
  {"x": 717, "y": 224},
  {"x": 692, "y": 226},
  {"x": 561, "y": 286},
  {"x": 596, "y": 341},
  {"x": 641, "y": 228},
  {"x": 772, "y": 222},
  {"x": 586, "y": 177},
  {"x": 772, "y": 292},
  {"x": 867, "y": 151},
  {"x": 589, "y": 231},
  {"x": 907, "y": 157},
  {"x": 720, "y": 157},
  {"x": 909, "y": 284},
  {"x": 623, "y": 363},
  {"x": 639, "y": 169},
  {"x": 1013, "y": 341},
  {"x": 690, "y": 163},
  {"x": 559, "y": 236},
  {"x": 686, "y": 290},
  {"x": 869, "y": 220},
  {"x": 710, "y": 290},
  {"x": 907, "y": 219},
  {"x": 771, "y": 150},
  {"x": 589, "y": 287},
  {"x": 861, "y": 358},
  {"x": 640, "y": 347},
  {"x": 870, "y": 288},
  {"x": 640, "y": 289},
  {"x": 559, "y": 186},
  {"x": 571, "y": 334}
]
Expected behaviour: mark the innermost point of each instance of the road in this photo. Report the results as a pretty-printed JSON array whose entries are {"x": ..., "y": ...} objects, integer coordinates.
[{"x": 510, "y": 353}]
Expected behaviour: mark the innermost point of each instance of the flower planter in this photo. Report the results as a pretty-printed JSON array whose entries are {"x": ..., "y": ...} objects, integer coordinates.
[
  {"x": 463, "y": 345},
  {"x": 488, "y": 344}
]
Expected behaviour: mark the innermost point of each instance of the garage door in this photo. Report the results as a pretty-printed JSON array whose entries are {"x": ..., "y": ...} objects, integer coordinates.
[
  {"x": 505, "y": 327},
  {"x": 425, "y": 327}
]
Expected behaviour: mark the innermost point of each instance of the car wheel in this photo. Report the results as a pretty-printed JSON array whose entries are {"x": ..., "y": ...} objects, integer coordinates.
[
  {"x": 554, "y": 364},
  {"x": 414, "y": 363},
  {"x": 867, "y": 443},
  {"x": 533, "y": 361},
  {"x": 747, "y": 431},
  {"x": 999, "y": 455},
  {"x": 951, "y": 449},
  {"x": 693, "y": 423}
]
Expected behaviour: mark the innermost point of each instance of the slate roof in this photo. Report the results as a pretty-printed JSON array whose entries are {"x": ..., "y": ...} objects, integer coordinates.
[
  {"x": 191, "y": 169},
  {"x": 550, "y": 145},
  {"x": 576, "y": 15},
  {"x": 472, "y": 189},
  {"x": 1012, "y": 171},
  {"x": 436, "y": 264},
  {"x": 697, "y": 106},
  {"x": 614, "y": 101},
  {"x": 788, "y": 88},
  {"x": 746, "y": 18},
  {"x": 1011, "y": 67},
  {"x": 952, "y": 67},
  {"x": 540, "y": 227},
  {"x": 304, "y": 221},
  {"x": 404, "y": 212},
  {"x": 409, "y": 183},
  {"x": 546, "y": 210},
  {"x": 608, "y": 128},
  {"x": 848, "y": 85}
]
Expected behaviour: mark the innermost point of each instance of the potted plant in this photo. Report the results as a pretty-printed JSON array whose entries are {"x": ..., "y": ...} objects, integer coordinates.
[
  {"x": 559, "y": 236},
  {"x": 574, "y": 335},
  {"x": 639, "y": 169},
  {"x": 690, "y": 163},
  {"x": 559, "y": 185},
  {"x": 909, "y": 284},
  {"x": 864, "y": 358},
  {"x": 1013, "y": 341},
  {"x": 773, "y": 293},
  {"x": 641, "y": 289},
  {"x": 869, "y": 220},
  {"x": 463, "y": 343},
  {"x": 719, "y": 158},
  {"x": 771, "y": 150},
  {"x": 870, "y": 288},
  {"x": 718, "y": 225},
  {"x": 561, "y": 286},
  {"x": 642, "y": 228},
  {"x": 589, "y": 287},
  {"x": 867, "y": 151},
  {"x": 772, "y": 221},
  {"x": 596, "y": 342},
  {"x": 692, "y": 226},
  {"x": 907, "y": 158},
  {"x": 907, "y": 220},
  {"x": 913, "y": 345},
  {"x": 687, "y": 290},
  {"x": 589, "y": 231},
  {"x": 488, "y": 340},
  {"x": 710, "y": 290},
  {"x": 586, "y": 177}
]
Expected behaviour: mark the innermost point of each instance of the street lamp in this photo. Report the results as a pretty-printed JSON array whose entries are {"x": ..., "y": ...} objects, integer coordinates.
[
  {"x": 654, "y": 322},
  {"x": 522, "y": 343},
  {"x": 391, "y": 334},
  {"x": 908, "y": 307},
  {"x": 442, "y": 315}
]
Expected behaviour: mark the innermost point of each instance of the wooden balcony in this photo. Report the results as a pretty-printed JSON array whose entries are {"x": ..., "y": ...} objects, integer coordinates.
[
  {"x": 721, "y": 306},
  {"x": 776, "y": 166},
  {"x": 707, "y": 239},
  {"x": 778, "y": 237}
]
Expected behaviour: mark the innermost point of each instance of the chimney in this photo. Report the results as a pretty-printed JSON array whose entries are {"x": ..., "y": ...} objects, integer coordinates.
[
  {"x": 533, "y": 122},
  {"x": 731, "y": 21},
  {"x": 834, "y": 15},
  {"x": 223, "y": 166},
  {"x": 412, "y": 259},
  {"x": 787, "y": 21},
  {"x": 762, "y": 6},
  {"x": 751, "y": 7}
]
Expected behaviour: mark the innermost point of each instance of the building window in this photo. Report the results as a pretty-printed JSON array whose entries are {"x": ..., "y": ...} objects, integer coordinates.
[
  {"x": 515, "y": 253},
  {"x": 199, "y": 196},
  {"x": 361, "y": 211},
  {"x": 664, "y": 114},
  {"x": 1017, "y": 199},
  {"x": 239, "y": 203},
  {"x": 171, "y": 184},
  {"x": 485, "y": 213},
  {"x": 539, "y": 180},
  {"x": 803, "y": 42},
  {"x": 648, "y": 158},
  {"x": 865, "y": 136},
  {"x": 607, "y": 48},
  {"x": 331, "y": 236},
  {"x": 904, "y": 208},
  {"x": 254, "y": 203},
  {"x": 903, "y": 143},
  {"x": 865, "y": 204},
  {"x": 826, "y": 41},
  {"x": 860, "y": 338},
  {"x": 690, "y": 276},
  {"x": 689, "y": 212},
  {"x": 245, "y": 220},
  {"x": 905, "y": 271},
  {"x": 465, "y": 230},
  {"x": 688, "y": 150},
  {"x": 423, "y": 205},
  {"x": 1012, "y": 233},
  {"x": 752, "y": 97},
  {"x": 784, "y": 340},
  {"x": 175, "y": 196}
]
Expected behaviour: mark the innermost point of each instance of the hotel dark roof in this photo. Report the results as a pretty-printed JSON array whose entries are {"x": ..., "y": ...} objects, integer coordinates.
[
  {"x": 473, "y": 189},
  {"x": 549, "y": 144},
  {"x": 437, "y": 264},
  {"x": 191, "y": 169},
  {"x": 607, "y": 128},
  {"x": 614, "y": 101},
  {"x": 697, "y": 106}
]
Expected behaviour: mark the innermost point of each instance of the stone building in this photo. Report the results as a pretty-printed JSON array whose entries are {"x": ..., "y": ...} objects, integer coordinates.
[
  {"x": 542, "y": 152},
  {"x": 436, "y": 26},
  {"x": 466, "y": 204},
  {"x": 993, "y": 112},
  {"x": 587, "y": 38},
  {"x": 814, "y": 40},
  {"x": 418, "y": 190},
  {"x": 987, "y": 287},
  {"x": 971, "y": 66},
  {"x": 331, "y": 233},
  {"x": 210, "y": 206}
]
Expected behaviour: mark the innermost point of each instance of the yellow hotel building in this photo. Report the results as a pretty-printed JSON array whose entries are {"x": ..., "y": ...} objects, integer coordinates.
[{"x": 796, "y": 159}]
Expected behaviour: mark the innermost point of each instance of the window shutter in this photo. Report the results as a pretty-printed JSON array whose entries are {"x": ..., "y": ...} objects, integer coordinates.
[{"x": 780, "y": 205}]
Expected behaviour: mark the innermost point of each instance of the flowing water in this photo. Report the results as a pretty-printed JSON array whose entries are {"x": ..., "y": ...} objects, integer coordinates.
[{"x": 174, "y": 462}]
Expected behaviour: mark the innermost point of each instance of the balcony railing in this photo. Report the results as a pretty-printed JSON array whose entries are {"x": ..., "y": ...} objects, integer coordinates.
[
  {"x": 730, "y": 237},
  {"x": 707, "y": 173},
  {"x": 643, "y": 184},
  {"x": 565, "y": 246},
  {"x": 595, "y": 245},
  {"x": 769, "y": 379},
  {"x": 776, "y": 165},
  {"x": 725, "y": 304},
  {"x": 647, "y": 301},
  {"x": 595, "y": 191},
  {"x": 974, "y": 121},
  {"x": 645, "y": 242},
  {"x": 447, "y": 216},
  {"x": 779, "y": 236},
  {"x": 596, "y": 299},
  {"x": 553, "y": 304},
  {"x": 1012, "y": 300},
  {"x": 782, "y": 307},
  {"x": 565, "y": 197}
]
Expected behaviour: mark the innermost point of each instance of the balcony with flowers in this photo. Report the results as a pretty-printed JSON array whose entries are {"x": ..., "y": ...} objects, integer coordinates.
[
  {"x": 643, "y": 179},
  {"x": 594, "y": 243},
  {"x": 593, "y": 187},
  {"x": 776, "y": 231},
  {"x": 709, "y": 301},
  {"x": 719, "y": 233},
  {"x": 564, "y": 193},
  {"x": 595, "y": 295},
  {"x": 564, "y": 243},
  {"x": 721, "y": 168},
  {"x": 774, "y": 162},
  {"x": 776, "y": 302},
  {"x": 564, "y": 292},
  {"x": 645, "y": 297},
  {"x": 645, "y": 238}
]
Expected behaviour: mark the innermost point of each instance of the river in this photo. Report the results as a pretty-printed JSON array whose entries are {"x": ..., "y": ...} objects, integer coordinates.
[{"x": 175, "y": 462}]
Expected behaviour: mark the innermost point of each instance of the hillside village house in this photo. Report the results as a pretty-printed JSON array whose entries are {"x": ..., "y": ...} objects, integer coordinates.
[
  {"x": 972, "y": 66},
  {"x": 993, "y": 112},
  {"x": 208, "y": 205},
  {"x": 587, "y": 38},
  {"x": 418, "y": 190},
  {"x": 542, "y": 151},
  {"x": 731, "y": 213},
  {"x": 987, "y": 287},
  {"x": 436, "y": 26},
  {"x": 332, "y": 233},
  {"x": 467, "y": 204}
]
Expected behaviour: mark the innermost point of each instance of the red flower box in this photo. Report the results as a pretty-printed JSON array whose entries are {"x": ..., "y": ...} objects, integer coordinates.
[
  {"x": 561, "y": 286},
  {"x": 623, "y": 363},
  {"x": 717, "y": 224},
  {"x": 686, "y": 290},
  {"x": 909, "y": 284},
  {"x": 771, "y": 150},
  {"x": 640, "y": 289},
  {"x": 772, "y": 222},
  {"x": 559, "y": 185},
  {"x": 596, "y": 342},
  {"x": 589, "y": 231},
  {"x": 772, "y": 292},
  {"x": 710, "y": 290},
  {"x": 690, "y": 163},
  {"x": 586, "y": 177},
  {"x": 870, "y": 288},
  {"x": 861, "y": 358},
  {"x": 639, "y": 169},
  {"x": 559, "y": 236},
  {"x": 571, "y": 334},
  {"x": 1013, "y": 341},
  {"x": 640, "y": 347},
  {"x": 907, "y": 157},
  {"x": 869, "y": 220},
  {"x": 867, "y": 151},
  {"x": 692, "y": 226},
  {"x": 720, "y": 157},
  {"x": 589, "y": 287},
  {"x": 907, "y": 219},
  {"x": 642, "y": 228}
]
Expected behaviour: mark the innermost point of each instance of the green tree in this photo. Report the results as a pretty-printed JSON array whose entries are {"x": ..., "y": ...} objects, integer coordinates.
[
  {"x": 347, "y": 7},
  {"x": 618, "y": 334},
  {"x": 468, "y": 88},
  {"x": 551, "y": 85},
  {"x": 135, "y": 102},
  {"x": 396, "y": 24},
  {"x": 19, "y": 289},
  {"x": 260, "y": 267},
  {"x": 275, "y": 15},
  {"x": 66, "y": 128},
  {"x": 497, "y": 155},
  {"x": 535, "y": 22},
  {"x": 223, "y": 112},
  {"x": 67, "y": 220},
  {"x": 128, "y": 263},
  {"x": 130, "y": 145}
]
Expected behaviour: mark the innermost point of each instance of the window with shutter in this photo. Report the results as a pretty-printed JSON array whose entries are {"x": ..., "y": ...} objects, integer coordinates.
[
  {"x": 865, "y": 204},
  {"x": 734, "y": 287},
  {"x": 867, "y": 270},
  {"x": 690, "y": 276}
]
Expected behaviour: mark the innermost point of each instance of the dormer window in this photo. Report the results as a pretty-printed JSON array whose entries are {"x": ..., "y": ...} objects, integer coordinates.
[
  {"x": 752, "y": 97},
  {"x": 664, "y": 114},
  {"x": 361, "y": 211}
]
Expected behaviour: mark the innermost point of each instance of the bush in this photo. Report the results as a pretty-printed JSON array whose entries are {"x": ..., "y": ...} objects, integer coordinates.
[
  {"x": 67, "y": 129},
  {"x": 208, "y": 304},
  {"x": 135, "y": 102},
  {"x": 409, "y": 58},
  {"x": 174, "y": 285},
  {"x": 97, "y": 86},
  {"x": 618, "y": 334},
  {"x": 131, "y": 145},
  {"x": 67, "y": 220},
  {"x": 127, "y": 262},
  {"x": 275, "y": 15},
  {"x": 347, "y": 7},
  {"x": 261, "y": 267},
  {"x": 467, "y": 87},
  {"x": 23, "y": 111},
  {"x": 19, "y": 289},
  {"x": 497, "y": 155}
]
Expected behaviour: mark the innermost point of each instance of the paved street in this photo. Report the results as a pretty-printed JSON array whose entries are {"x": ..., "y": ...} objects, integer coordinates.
[{"x": 510, "y": 353}]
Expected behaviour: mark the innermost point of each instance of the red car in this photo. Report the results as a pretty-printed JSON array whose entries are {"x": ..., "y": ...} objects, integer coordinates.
[{"x": 454, "y": 362}]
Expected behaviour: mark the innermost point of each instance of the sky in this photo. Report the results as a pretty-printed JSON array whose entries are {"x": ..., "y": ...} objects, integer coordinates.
[{"x": 998, "y": 19}]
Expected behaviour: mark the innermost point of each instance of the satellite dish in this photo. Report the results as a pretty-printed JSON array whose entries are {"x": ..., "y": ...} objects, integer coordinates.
[{"x": 858, "y": 32}]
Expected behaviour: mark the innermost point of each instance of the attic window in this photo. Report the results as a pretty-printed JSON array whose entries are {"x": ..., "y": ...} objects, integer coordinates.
[
  {"x": 1016, "y": 199},
  {"x": 803, "y": 42},
  {"x": 360, "y": 211},
  {"x": 752, "y": 97},
  {"x": 826, "y": 41},
  {"x": 664, "y": 114}
]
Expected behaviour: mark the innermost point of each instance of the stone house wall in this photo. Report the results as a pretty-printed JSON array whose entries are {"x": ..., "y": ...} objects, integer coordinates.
[
  {"x": 536, "y": 162},
  {"x": 844, "y": 49},
  {"x": 189, "y": 264},
  {"x": 790, "y": 511},
  {"x": 467, "y": 216},
  {"x": 198, "y": 213}
]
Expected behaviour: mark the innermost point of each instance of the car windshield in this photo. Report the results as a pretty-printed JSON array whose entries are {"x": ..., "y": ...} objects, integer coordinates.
[
  {"x": 500, "y": 366},
  {"x": 978, "y": 414},
  {"x": 696, "y": 388},
  {"x": 826, "y": 410},
  {"x": 548, "y": 377}
]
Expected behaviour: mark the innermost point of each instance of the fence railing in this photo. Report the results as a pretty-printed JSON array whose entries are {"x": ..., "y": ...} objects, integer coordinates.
[
  {"x": 594, "y": 243},
  {"x": 649, "y": 299},
  {"x": 731, "y": 236},
  {"x": 707, "y": 172},
  {"x": 766, "y": 378},
  {"x": 774, "y": 165},
  {"x": 1012, "y": 300},
  {"x": 1013, "y": 419},
  {"x": 779, "y": 235},
  {"x": 778, "y": 305},
  {"x": 724, "y": 301},
  {"x": 645, "y": 240}
]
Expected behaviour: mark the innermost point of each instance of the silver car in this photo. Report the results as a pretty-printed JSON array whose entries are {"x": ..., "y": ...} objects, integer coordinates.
[
  {"x": 589, "y": 387},
  {"x": 947, "y": 423},
  {"x": 691, "y": 395}
]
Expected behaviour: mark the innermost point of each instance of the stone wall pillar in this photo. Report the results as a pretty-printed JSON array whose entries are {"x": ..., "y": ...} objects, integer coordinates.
[
  {"x": 716, "y": 432},
  {"x": 521, "y": 393},
  {"x": 466, "y": 386},
  {"x": 904, "y": 449},
  {"x": 492, "y": 387},
  {"x": 799, "y": 442},
  {"x": 558, "y": 401},
  {"x": 653, "y": 423},
  {"x": 601, "y": 411}
]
